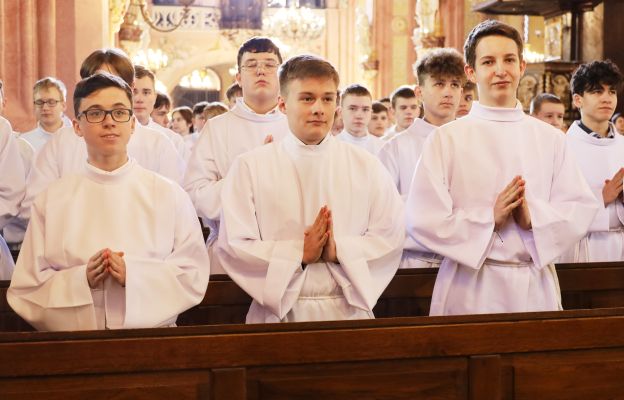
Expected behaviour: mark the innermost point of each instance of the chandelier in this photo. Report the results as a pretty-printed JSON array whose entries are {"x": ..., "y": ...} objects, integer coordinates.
[
  {"x": 142, "y": 4},
  {"x": 152, "y": 59},
  {"x": 294, "y": 23}
]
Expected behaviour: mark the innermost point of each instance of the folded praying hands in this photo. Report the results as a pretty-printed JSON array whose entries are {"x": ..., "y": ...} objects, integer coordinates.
[
  {"x": 103, "y": 263},
  {"x": 318, "y": 239}
]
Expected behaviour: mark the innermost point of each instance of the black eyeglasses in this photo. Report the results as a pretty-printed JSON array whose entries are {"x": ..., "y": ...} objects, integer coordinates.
[
  {"x": 50, "y": 102},
  {"x": 95, "y": 115}
]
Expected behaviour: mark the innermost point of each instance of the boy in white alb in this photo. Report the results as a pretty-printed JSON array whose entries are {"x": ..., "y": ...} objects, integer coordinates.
[
  {"x": 100, "y": 252},
  {"x": 549, "y": 108},
  {"x": 253, "y": 121},
  {"x": 440, "y": 75},
  {"x": 49, "y": 99},
  {"x": 301, "y": 232},
  {"x": 66, "y": 152},
  {"x": 405, "y": 108},
  {"x": 144, "y": 95},
  {"x": 599, "y": 150},
  {"x": 496, "y": 193},
  {"x": 12, "y": 188},
  {"x": 355, "y": 108}
]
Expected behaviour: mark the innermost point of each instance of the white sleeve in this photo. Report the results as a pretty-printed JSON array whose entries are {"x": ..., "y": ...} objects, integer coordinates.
[
  {"x": 49, "y": 297},
  {"x": 268, "y": 270},
  {"x": 203, "y": 180},
  {"x": 158, "y": 290},
  {"x": 12, "y": 177},
  {"x": 462, "y": 234},
  {"x": 371, "y": 260}
]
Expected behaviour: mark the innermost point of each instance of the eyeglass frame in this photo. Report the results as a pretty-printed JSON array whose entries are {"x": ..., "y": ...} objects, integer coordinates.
[
  {"x": 266, "y": 65},
  {"x": 49, "y": 102},
  {"x": 106, "y": 112}
]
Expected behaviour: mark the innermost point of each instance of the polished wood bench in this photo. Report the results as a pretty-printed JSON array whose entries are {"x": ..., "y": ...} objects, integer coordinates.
[
  {"x": 583, "y": 286},
  {"x": 569, "y": 355}
]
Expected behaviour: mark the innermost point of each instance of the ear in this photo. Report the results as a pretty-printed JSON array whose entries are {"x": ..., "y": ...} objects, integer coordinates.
[
  {"x": 281, "y": 103},
  {"x": 238, "y": 78},
  {"x": 523, "y": 65},
  {"x": 577, "y": 100},
  {"x": 470, "y": 73},
  {"x": 339, "y": 111},
  {"x": 418, "y": 91},
  {"x": 76, "y": 126}
]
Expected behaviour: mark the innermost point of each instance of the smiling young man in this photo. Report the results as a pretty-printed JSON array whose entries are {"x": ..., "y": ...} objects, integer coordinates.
[
  {"x": 301, "y": 233},
  {"x": 253, "y": 121},
  {"x": 599, "y": 150},
  {"x": 441, "y": 76},
  {"x": 65, "y": 152},
  {"x": 496, "y": 194},
  {"x": 356, "y": 108},
  {"x": 49, "y": 100},
  {"x": 123, "y": 260}
]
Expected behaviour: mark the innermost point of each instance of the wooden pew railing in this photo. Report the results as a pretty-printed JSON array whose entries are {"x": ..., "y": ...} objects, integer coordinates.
[
  {"x": 569, "y": 355},
  {"x": 583, "y": 286}
]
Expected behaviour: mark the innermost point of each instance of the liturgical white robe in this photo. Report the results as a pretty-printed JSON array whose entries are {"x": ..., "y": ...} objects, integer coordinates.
[
  {"x": 599, "y": 159},
  {"x": 176, "y": 139},
  {"x": 66, "y": 153},
  {"x": 400, "y": 155},
  {"x": 38, "y": 137},
  {"x": 369, "y": 142},
  {"x": 131, "y": 209},
  {"x": 272, "y": 194},
  {"x": 464, "y": 166},
  {"x": 12, "y": 175},
  {"x": 12, "y": 189},
  {"x": 224, "y": 138}
]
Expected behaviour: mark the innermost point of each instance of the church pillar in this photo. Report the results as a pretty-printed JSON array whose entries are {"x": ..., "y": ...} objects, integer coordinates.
[{"x": 41, "y": 38}]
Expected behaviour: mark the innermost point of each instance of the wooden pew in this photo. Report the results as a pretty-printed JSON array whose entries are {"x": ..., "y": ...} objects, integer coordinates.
[
  {"x": 584, "y": 286},
  {"x": 568, "y": 355}
]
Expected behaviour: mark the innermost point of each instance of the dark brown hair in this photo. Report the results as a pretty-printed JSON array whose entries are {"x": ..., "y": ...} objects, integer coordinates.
[
  {"x": 379, "y": 107},
  {"x": 186, "y": 113},
  {"x": 536, "y": 103},
  {"x": 97, "y": 82},
  {"x": 258, "y": 44},
  {"x": 306, "y": 66},
  {"x": 486, "y": 28},
  {"x": 404, "y": 92},
  {"x": 51, "y": 83},
  {"x": 113, "y": 57},
  {"x": 141, "y": 72},
  {"x": 593, "y": 75},
  {"x": 162, "y": 99},
  {"x": 440, "y": 63},
  {"x": 354, "y": 90}
]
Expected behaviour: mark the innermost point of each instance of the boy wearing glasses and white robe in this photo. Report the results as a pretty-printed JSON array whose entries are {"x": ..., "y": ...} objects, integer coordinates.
[
  {"x": 253, "y": 121},
  {"x": 122, "y": 260}
]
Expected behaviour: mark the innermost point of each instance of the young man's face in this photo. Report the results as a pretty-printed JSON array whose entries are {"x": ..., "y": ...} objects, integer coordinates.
[
  {"x": 258, "y": 76},
  {"x": 179, "y": 124},
  {"x": 309, "y": 105},
  {"x": 108, "y": 137},
  {"x": 497, "y": 71},
  {"x": 388, "y": 105},
  {"x": 619, "y": 125},
  {"x": 378, "y": 124},
  {"x": 198, "y": 122},
  {"x": 160, "y": 115},
  {"x": 465, "y": 103},
  {"x": 441, "y": 96},
  {"x": 598, "y": 104},
  {"x": 551, "y": 113},
  {"x": 144, "y": 97},
  {"x": 405, "y": 111},
  {"x": 46, "y": 114},
  {"x": 356, "y": 113}
]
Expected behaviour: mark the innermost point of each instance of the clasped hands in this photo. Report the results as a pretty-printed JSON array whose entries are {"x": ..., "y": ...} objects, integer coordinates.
[
  {"x": 512, "y": 202},
  {"x": 318, "y": 239},
  {"x": 612, "y": 188},
  {"x": 104, "y": 263}
]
